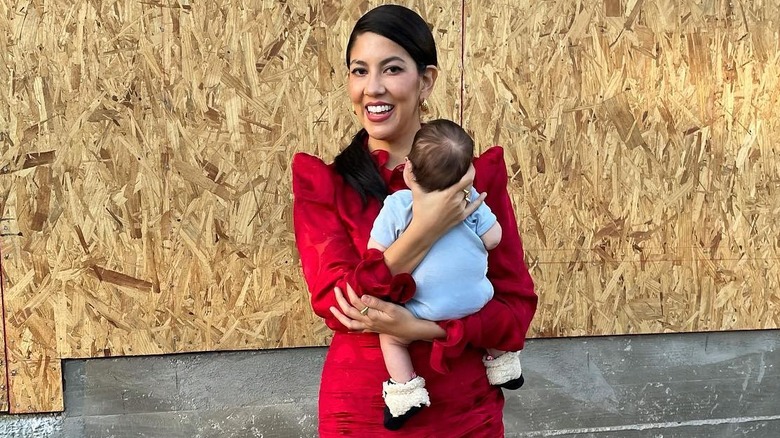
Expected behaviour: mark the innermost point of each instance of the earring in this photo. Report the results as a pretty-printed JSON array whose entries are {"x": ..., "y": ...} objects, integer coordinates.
[{"x": 424, "y": 107}]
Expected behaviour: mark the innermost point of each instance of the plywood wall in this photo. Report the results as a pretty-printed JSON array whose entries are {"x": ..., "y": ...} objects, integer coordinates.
[
  {"x": 5, "y": 227},
  {"x": 144, "y": 166},
  {"x": 146, "y": 174},
  {"x": 642, "y": 137},
  {"x": 3, "y": 361}
]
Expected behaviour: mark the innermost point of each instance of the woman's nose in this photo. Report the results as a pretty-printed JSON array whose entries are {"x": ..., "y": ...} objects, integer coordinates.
[{"x": 375, "y": 86}]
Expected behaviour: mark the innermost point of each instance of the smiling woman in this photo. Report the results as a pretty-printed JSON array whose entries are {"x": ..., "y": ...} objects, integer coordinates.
[
  {"x": 386, "y": 88},
  {"x": 392, "y": 62}
]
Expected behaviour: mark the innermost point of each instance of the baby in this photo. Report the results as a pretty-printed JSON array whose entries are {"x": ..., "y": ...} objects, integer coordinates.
[{"x": 451, "y": 279}]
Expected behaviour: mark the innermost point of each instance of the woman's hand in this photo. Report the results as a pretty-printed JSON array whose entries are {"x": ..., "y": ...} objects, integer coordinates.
[
  {"x": 380, "y": 316},
  {"x": 433, "y": 214},
  {"x": 437, "y": 211}
]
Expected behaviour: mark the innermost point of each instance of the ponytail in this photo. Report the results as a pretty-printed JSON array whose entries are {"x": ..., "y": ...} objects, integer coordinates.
[{"x": 358, "y": 169}]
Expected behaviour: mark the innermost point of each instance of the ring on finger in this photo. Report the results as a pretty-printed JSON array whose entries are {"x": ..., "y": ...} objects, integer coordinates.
[
  {"x": 364, "y": 311},
  {"x": 466, "y": 194}
]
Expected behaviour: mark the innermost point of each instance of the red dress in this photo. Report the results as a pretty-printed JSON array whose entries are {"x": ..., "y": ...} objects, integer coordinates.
[{"x": 332, "y": 230}]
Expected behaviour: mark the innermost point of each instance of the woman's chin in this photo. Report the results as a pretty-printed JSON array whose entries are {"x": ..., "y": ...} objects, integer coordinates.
[{"x": 382, "y": 133}]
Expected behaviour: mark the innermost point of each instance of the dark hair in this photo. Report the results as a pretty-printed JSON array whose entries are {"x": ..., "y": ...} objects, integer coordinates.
[
  {"x": 401, "y": 25},
  {"x": 407, "y": 29},
  {"x": 441, "y": 154}
]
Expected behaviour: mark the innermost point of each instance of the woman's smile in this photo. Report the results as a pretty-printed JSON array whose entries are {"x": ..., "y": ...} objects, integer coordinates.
[{"x": 378, "y": 112}]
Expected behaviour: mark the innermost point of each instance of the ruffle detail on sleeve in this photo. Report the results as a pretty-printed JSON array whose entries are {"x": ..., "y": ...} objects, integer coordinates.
[
  {"x": 375, "y": 279},
  {"x": 312, "y": 179},
  {"x": 450, "y": 347},
  {"x": 491, "y": 165}
]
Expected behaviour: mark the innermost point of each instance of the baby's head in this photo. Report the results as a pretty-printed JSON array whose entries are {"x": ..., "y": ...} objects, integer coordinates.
[{"x": 441, "y": 154}]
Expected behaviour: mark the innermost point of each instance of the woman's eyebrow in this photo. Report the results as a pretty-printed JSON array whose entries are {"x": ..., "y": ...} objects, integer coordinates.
[{"x": 382, "y": 63}]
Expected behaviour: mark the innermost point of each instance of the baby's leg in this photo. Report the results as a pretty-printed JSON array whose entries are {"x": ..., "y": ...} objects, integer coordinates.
[
  {"x": 404, "y": 394},
  {"x": 397, "y": 360},
  {"x": 493, "y": 353}
]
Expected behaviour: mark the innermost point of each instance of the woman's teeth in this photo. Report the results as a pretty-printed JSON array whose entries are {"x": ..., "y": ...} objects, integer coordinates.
[{"x": 378, "y": 109}]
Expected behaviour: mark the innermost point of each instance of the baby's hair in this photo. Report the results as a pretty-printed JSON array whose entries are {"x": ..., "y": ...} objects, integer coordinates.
[{"x": 441, "y": 154}]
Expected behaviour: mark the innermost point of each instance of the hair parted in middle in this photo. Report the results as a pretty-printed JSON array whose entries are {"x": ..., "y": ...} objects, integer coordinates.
[{"x": 441, "y": 154}]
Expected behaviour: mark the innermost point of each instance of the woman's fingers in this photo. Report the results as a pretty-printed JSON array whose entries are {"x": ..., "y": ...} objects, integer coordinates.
[
  {"x": 466, "y": 181},
  {"x": 354, "y": 300},
  {"x": 340, "y": 300},
  {"x": 345, "y": 313},
  {"x": 349, "y": 304},
  {"x": 472, "y": 206},
  {"x": 348, "y": 323},
  {"x": 463, "y": 186},
  {"x": 376, "y": 304},
  {"x": 348, "y": 311}
]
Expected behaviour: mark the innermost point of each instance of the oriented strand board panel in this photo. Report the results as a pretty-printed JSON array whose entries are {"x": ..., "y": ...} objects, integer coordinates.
[
  {"x": 5, "y": 223},
  {"x": 642, "y": 141},
  {"x": 145, "y": 173},
  {"x": 3, "y": 359},
  {"x": 145, "y": 185}
]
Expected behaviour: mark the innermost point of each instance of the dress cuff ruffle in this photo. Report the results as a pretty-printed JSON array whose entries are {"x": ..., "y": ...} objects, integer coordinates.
[
  {"x": 451, "y": 347},
  {"x": 374, "y": 278}
]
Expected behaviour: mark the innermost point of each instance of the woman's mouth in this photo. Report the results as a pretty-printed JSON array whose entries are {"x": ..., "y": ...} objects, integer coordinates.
[{"x": 378, "y": 113}]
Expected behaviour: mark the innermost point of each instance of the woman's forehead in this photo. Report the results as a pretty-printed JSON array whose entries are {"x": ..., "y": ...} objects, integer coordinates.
[{"x": 371, "y": 48}]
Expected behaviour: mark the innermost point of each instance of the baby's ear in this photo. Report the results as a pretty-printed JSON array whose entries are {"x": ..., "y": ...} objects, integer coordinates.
[{"x": 408, "y": 169}]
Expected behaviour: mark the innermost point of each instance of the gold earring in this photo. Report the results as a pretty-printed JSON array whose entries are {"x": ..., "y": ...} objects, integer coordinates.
[{"x": 424, "y": 107}]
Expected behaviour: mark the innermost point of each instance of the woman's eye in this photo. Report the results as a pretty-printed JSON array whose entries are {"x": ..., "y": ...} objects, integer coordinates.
[
  {"x": 394, "y": 69},
  {"x": 358, "y": 71}
]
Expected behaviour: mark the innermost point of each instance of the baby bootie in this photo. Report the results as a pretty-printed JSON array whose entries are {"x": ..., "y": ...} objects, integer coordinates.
[
  {"x": 505, "y": 370},
  {"x": 403, "y": 401}
]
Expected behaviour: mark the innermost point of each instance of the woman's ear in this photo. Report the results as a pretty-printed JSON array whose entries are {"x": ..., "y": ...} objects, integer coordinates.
[{"x": 428, "y": 81}]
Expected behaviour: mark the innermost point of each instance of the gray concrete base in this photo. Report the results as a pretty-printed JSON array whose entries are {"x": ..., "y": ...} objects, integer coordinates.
[{"x": 676, "y": 385}]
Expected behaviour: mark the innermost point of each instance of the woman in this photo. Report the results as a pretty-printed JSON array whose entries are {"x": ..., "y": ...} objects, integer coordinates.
[{"x": 392, "y": 62}]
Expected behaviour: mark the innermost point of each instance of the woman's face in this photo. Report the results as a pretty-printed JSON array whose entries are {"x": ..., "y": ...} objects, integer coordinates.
[{"x": 386, "y": 89}]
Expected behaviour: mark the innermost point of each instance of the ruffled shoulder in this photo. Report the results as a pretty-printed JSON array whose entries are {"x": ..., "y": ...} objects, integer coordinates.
[
  {"x": 312, "y": 179},
  {"x": 491, "y": 168}
]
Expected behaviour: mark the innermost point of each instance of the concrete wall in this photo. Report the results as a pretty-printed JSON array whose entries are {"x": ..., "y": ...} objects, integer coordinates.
[{"x": 724, "y": 384}]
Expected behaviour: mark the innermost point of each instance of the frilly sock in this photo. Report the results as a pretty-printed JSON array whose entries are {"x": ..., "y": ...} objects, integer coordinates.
[
  {"x": 403, "y": 401},
  {"x": 505, "y": 370}
]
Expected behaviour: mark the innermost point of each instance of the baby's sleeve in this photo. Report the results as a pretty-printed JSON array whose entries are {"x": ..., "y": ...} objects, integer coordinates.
[{"x": 483, "y": 218}]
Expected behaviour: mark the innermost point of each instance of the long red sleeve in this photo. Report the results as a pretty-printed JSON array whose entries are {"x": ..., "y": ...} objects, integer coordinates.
[
  {"x": 331, "y": 234},
  {"x": 504, "y": 321}
]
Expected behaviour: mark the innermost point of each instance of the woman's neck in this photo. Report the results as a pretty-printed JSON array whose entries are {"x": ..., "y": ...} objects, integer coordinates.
[
  {"x": 398, "y": 149},
  {"x": 395, "y": 157}
]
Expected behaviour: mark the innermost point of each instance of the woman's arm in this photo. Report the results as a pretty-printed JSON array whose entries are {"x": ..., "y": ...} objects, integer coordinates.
[
  {"x": 382, "y": 317},
  {"x": 327, "y": 250},
  {"x": 433, "y": 214}
]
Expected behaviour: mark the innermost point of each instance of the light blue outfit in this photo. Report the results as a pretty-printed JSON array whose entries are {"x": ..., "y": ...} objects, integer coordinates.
[{"x": 451, "y": 281}]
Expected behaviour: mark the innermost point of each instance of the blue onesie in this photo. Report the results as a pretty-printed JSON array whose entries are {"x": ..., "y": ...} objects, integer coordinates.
[{"x": 451, "y": 281}]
